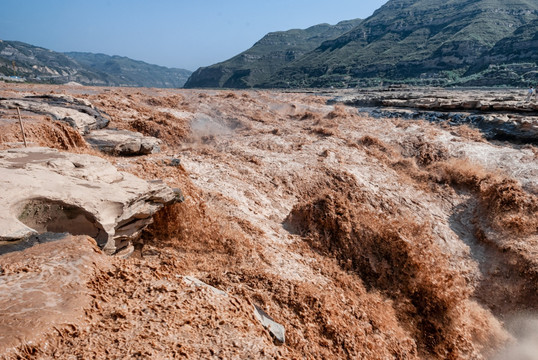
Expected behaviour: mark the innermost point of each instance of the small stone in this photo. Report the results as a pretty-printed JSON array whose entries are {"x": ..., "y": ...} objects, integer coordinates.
[
  {"x": 179, "y": 198},
  {"x": 199, "y": 283},
  {"x": 175, "y": 162},
  {"x": 275, "y": 329}
]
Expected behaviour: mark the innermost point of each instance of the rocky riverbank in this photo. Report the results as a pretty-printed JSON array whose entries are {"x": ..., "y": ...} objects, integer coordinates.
[
  {"x": 304, "y": 230},
  {"x": 505, "y": 114}
]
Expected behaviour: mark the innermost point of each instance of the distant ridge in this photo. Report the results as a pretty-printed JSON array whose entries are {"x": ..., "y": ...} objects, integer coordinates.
[
  {"x": 122, "y": 70},
  {"x": 38, "y": 64},
  {"x": 269, "y": 54},
  {"x": 423, "y": 42}
]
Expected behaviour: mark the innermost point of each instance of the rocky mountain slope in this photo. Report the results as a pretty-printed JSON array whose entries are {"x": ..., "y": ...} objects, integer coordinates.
[
  {"x": 432, "y": 42},
  {"x": 124, "y": 71},
  {"x": 274, "y": 50},
  {"x": 37, "y": 64},
  {"x": 512, "y": 60}
]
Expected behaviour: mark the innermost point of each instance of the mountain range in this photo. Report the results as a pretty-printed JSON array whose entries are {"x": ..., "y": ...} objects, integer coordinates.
[
  {"x": 432, "y": 42},
  {"x": 255, "y": 65},
  {"x": 417, "y": 42},
  {"x": 38, "y": 64}
]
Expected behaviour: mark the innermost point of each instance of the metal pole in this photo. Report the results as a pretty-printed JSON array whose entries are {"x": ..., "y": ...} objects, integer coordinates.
[{"x": 22, "y": 127}]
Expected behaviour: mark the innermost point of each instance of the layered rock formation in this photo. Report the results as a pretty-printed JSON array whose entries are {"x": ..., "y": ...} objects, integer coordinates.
[
  {"x": 500, "y": 114},
  {"x": 78, "y": 113},
  {"x": 45, "y": 190},
  {"x": 123, "y": 142},
  {"x": 88, "y": 120}
]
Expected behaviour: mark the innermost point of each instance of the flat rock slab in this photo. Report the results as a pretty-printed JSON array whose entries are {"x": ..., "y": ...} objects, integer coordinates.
[
  {"x": 500, "y": 114},
  {"x": 44, "y": 287},
  {"x": 436, "y": 99},
  {"x": 44, "y": 190},
  {"x": 78, "y": 113},
  {"x": 274, "y": 328},
  {"x": 122, "y": 142}
]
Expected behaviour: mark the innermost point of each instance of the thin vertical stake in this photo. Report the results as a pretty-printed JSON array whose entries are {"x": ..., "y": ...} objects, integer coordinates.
[{"x": 22, "y": 127}]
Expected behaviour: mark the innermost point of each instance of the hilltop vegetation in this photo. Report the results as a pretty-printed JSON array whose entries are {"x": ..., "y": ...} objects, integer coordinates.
[
  {"x": 512, "y": 60},
  {"x": 124, "y": 71},
  {"x": 273, "y": 51},
  {"x": 38, "y": 64},
  {"x": 433, "y": 42}
]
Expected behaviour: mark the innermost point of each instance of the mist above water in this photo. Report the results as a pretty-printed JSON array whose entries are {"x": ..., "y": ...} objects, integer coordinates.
[
  {"x": 524, "y": 328},
  {"x": 205, "y": 126}
]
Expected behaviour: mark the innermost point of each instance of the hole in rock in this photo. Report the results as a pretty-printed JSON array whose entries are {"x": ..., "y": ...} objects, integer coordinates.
[{"x": 53, "y": 216}]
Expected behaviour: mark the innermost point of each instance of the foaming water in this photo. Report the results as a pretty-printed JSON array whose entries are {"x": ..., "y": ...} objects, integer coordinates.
[
  {"x": 204, "y": 125},
  {"x": 341, "y": 227}
]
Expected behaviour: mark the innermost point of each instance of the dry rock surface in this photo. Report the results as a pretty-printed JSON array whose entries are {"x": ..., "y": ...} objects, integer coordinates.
[
  {"x": 510, "y": 100},
  {"x": 45, "y": 190},
  {"x": 122, "y": 142},
  {"x": 308, "y": 230},
  {"x": 78, "y": 113},
  {"x": 87, "y": 120}
]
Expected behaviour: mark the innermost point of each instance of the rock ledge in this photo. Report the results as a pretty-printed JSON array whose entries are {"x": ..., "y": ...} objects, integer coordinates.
[{"x": 45, "y": 190}]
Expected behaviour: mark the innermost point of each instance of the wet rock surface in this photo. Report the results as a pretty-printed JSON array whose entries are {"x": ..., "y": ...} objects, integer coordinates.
[
  {"x": 28, "y": 242},
  {"x": 502, "y": 127},
  {"x": 45, "y": 190},
  {"x": 505, "y": 115},
  {"x": 122, "y": 142}
]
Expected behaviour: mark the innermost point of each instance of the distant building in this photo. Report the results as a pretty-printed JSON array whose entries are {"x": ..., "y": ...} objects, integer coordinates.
[{"x": 12, "y": 78}]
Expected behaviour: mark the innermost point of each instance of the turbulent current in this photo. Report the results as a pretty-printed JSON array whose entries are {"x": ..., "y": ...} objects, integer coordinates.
[{"x": 366, "y": 238}]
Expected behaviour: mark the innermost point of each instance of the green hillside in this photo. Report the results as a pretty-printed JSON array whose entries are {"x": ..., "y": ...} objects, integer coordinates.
[
  {"x": 37, "y": 64},
  {"x": 124, "y": 71},
  {"x": 423, "y": 42},
  {"x": 431, "y": 40},
  {"x": 274, "y": 50},
  {"x": 512, "y": 61}
]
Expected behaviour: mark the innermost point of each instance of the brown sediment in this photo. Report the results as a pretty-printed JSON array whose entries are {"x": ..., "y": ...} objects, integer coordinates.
[
  {"x": 505, "y": 226},
  {"x": 364, "y": 238},
  {"x": 395, "y": 255},
  {"x": 138, "y": 112},
  {"x": 44, "y": 288},
  {"x": 507, "y": 207},
  {"x": 40, "y": 131}
]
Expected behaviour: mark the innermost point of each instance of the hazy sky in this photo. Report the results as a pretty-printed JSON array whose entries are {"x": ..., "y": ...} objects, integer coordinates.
[{"x": 184, "y": 34}]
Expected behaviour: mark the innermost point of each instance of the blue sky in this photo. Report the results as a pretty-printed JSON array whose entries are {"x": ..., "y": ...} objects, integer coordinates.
[{"x": 181, "y": 33}]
